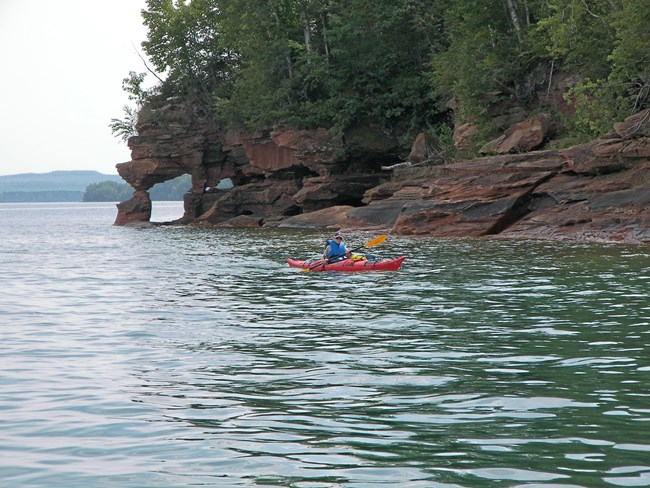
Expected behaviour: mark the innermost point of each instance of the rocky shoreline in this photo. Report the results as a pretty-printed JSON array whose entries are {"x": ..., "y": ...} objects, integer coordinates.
[{"x": 599, "y": 191}]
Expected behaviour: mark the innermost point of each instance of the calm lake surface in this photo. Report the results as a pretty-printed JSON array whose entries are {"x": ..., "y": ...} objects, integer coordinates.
[{"x": 174, "y": 357}]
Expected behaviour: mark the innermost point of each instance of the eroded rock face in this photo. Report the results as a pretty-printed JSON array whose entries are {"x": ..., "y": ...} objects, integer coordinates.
[
  {"x": 261, "y": 200},
  {"x": 424, "y": 148},
  {"x": 325, "y": 191},
  {"x": 174, "y": 139},
  {"x": 598, "y": 191},
  {"x": 284, "y": 177},
  {"x": 523, "y": 136},
  {"x": 637, "y": 125},
  {"x": 463, "y": 135},
  {"x": 272, "y": 171},
  {"x": 137, "y": 209}
]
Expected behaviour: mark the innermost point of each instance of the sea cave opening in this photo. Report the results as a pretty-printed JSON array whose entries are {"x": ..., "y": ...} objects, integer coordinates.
[{"x": 167, "y": 198}]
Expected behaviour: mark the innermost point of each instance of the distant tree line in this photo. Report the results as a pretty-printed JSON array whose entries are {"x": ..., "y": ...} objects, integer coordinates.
[
  {"x": 335, "y": 63},
  {"x": 107, "y": 191},
  {"x": 113, "y": 191},
  {"x": 41, "y": 196}
]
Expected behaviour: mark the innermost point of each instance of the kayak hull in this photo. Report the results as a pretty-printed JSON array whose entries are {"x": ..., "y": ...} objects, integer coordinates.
[{"x": 349, "y": 266}]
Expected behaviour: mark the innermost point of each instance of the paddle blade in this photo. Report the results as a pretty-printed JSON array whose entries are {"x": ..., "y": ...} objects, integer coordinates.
[{"x": 376, "y": 241}]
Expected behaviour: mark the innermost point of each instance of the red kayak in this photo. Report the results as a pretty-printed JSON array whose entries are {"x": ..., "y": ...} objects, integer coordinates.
[{"x": 349, "y": 265}]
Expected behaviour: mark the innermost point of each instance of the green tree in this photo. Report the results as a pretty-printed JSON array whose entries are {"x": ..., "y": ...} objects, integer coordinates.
[
  {"x": 184, "y": 42},
  {"x": 126, "y": 127},
  {"x": 107, "y": 191},
  {"x": 379, "y": 56},
  {"x": 338, "y": 63},
  {"x": 575, "y": 35},
  {"x": 630, "y": 58},
  {"x": 481, "y": 60},
  {"x": 331, "y": 63},
  {"x": 114, "y": 191},
  {"x": 266, "y": 36},
  {"x": 171, "y": 190},
  {"x": 611, "y": 51}
]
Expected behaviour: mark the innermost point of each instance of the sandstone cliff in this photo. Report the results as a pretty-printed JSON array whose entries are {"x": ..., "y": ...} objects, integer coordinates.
[{"x": 596, "y": 191}]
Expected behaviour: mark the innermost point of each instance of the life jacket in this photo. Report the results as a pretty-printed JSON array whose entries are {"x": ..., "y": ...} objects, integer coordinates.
[{"x": 336, "y": 250}]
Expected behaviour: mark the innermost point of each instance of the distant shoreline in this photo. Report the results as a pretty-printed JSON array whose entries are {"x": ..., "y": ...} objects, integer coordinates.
[
  {"x": 79, "y": 186},
  {"x": 41, "y": 196}
]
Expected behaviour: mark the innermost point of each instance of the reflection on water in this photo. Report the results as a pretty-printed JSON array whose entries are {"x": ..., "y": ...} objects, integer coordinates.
[{"x": 176, "y": 357}]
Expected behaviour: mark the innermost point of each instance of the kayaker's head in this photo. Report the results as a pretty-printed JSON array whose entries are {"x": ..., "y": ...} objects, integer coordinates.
[{"x": 338, "y": 236}]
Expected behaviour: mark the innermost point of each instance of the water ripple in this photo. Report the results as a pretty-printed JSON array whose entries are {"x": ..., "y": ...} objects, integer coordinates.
[{"x": 177, "y": 357}]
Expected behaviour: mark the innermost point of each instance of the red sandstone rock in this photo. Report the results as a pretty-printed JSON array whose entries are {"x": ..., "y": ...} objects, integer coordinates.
[
  {"x": 524, "y": 136},
  {"x": 261, "y": 200},
  {"x": 316, "y": 150},
  {"x": 137, "y": 209},
  {"x": 145, "y": 173},
  {"x": 595, "y": 191},
  {"x": 321, "y": 192},
  {"x": 332, "y": 217},
  {"x": 175, "y": 139},
  {"x": 424, "y": 148},
  {"x": 242, "y": 221},
  {"x": 463, "y": 135},
  {"x": 636, "y": 125}
]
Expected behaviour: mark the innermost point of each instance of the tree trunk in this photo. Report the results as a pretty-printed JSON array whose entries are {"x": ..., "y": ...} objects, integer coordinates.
[
  {"x": 306, "y": 30},
  {"x": 325, "y": 44},
  {"x": 278, "y": 24},
  {"x": 514, "y": 18}
]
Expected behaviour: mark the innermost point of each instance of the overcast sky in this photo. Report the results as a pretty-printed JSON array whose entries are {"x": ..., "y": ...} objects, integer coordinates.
[{"x": 61, "y": 68}]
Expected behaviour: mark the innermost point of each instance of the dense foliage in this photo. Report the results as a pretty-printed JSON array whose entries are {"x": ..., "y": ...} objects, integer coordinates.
[
  {"x": 336, "y": 63},
  {"x": 107, "y": 191},
  {"x": 510, "y": 49}
]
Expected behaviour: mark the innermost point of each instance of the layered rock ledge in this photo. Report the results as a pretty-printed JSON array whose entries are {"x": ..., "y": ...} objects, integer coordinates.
[
  {"x": 598, "y": 191},
  {"x": 594, "y": 192}
]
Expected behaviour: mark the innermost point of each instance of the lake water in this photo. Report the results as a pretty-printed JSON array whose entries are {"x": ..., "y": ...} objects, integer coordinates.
[{"x": 172, "y": 357}]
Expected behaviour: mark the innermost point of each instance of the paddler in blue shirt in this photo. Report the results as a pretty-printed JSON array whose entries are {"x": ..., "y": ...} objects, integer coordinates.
[{"x": 335, "y": 249}]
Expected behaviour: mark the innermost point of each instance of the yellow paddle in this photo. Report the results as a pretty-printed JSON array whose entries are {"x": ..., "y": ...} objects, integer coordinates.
[{"x": 371, "y": 243}]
